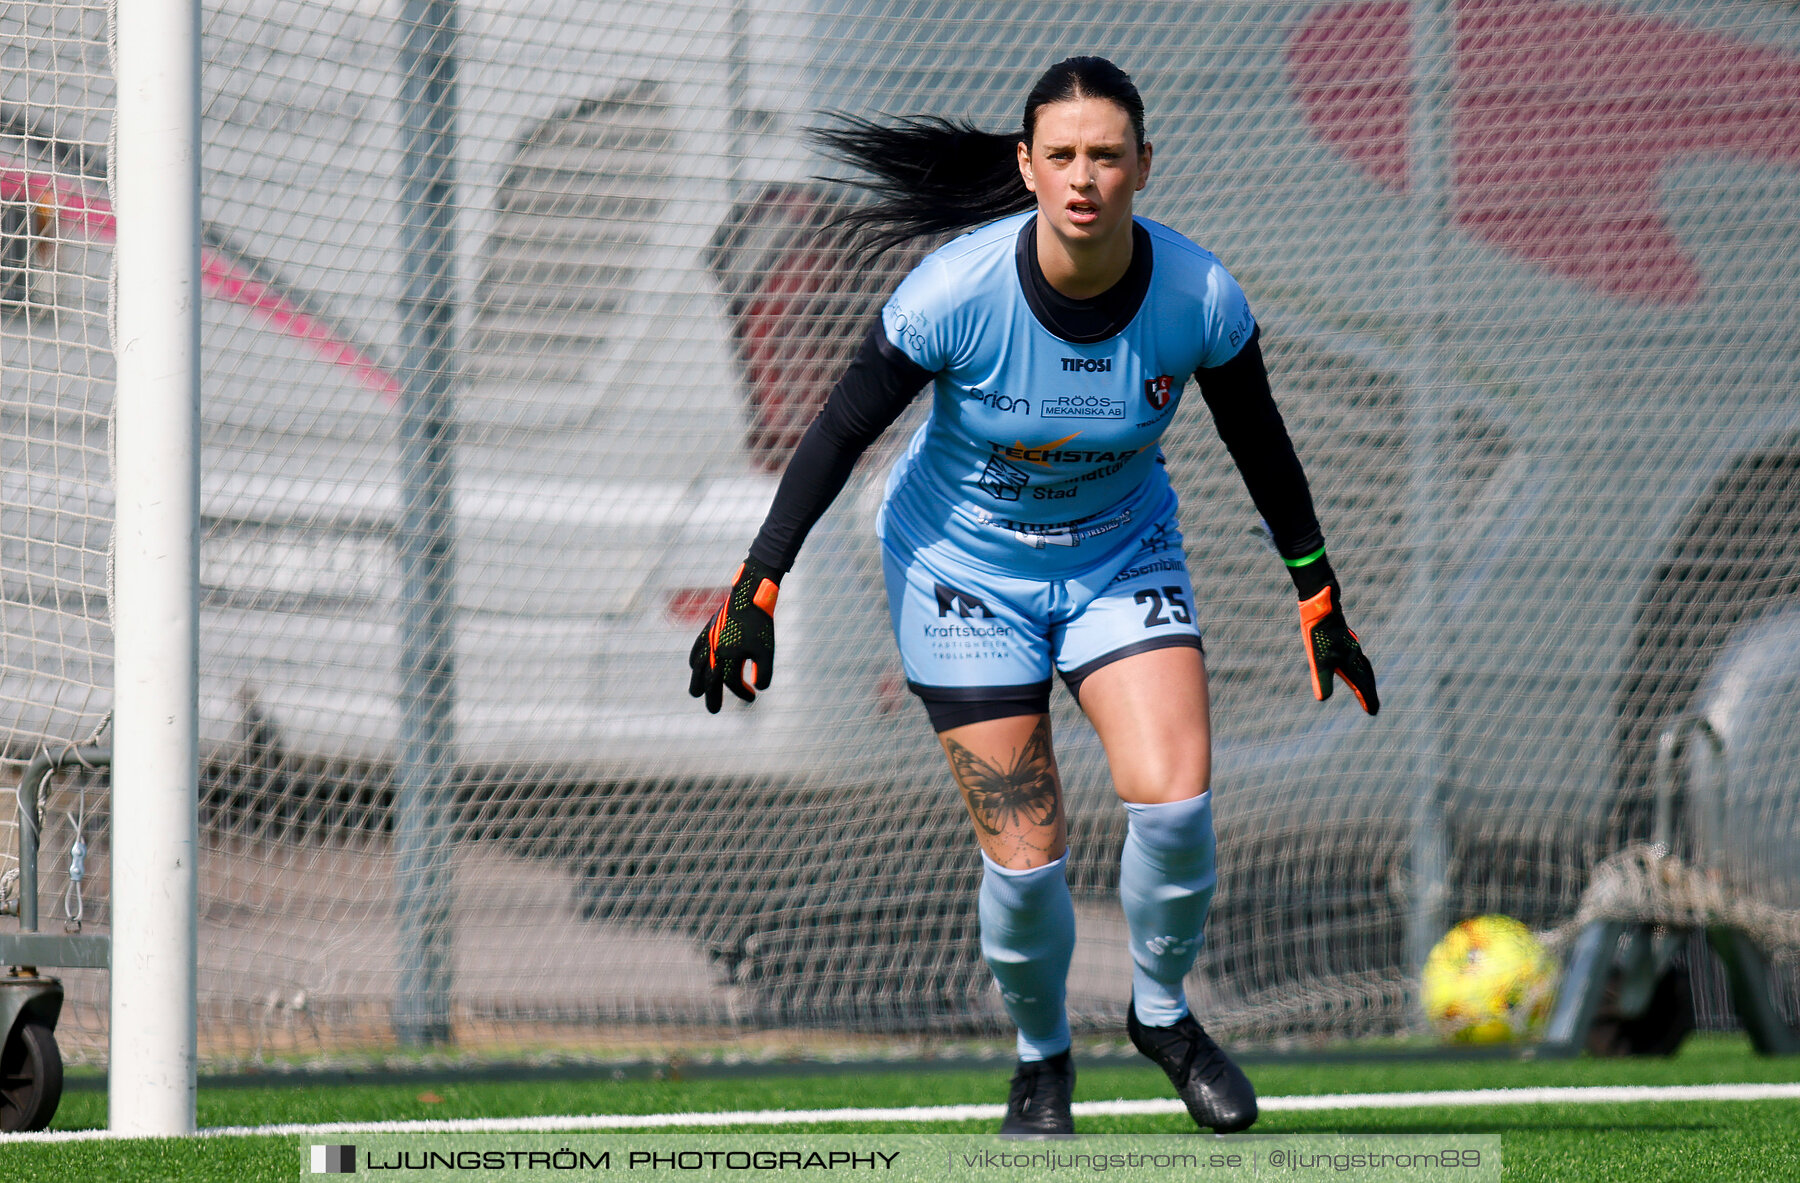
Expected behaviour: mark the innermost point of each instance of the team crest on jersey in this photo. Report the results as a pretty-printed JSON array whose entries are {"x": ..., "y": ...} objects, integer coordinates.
[{"x": 1158, "y": 391}]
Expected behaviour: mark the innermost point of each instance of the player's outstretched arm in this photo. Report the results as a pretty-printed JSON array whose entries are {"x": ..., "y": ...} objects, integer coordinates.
[
  {"x": 1244, "y": 411},
  {"x": 1331, "y": 647},
  {"x": 740, "y": 638}
]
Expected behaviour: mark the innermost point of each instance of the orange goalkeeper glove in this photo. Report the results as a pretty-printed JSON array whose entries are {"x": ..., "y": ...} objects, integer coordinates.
[
  {"x": 737, "y": 647},
  {"x": 1331, "y": 648}
]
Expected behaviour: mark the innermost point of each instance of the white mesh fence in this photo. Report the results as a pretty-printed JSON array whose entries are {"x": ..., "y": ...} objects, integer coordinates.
[{"x": 1527, "y": 272}]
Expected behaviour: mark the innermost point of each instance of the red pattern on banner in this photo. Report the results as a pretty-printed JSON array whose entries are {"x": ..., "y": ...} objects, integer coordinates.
[{"x": 1564, "y": 117}]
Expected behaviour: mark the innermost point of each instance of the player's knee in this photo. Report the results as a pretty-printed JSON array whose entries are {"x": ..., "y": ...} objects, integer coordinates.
[
  {"x": 1161, "y": 777},
  {"x": 1026, "y": 857},
  {"x": 1181, "y": 831}
]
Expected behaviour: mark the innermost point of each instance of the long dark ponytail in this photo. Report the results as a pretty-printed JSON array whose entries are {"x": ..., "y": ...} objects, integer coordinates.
[{"x": 932, "y": 176}]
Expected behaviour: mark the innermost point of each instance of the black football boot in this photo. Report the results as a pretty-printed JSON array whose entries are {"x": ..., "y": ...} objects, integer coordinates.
[
  {"x": 1216, "y": 1092},
  {"x": 1039, "y": 1101}
]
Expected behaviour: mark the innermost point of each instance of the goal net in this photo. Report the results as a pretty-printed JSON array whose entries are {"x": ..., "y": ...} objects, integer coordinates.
[{"x": 514, "y": 311}]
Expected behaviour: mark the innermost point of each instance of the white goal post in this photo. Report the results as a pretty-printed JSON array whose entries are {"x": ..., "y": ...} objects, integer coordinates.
[{"x": 156, "y": 188}]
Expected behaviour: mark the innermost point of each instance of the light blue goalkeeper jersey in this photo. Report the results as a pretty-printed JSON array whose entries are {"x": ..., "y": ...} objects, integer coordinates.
[{"x": 1040, "y": 452}]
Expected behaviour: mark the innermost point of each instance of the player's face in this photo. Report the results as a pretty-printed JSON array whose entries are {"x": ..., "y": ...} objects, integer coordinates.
[{"x": 1084, "y": 163}]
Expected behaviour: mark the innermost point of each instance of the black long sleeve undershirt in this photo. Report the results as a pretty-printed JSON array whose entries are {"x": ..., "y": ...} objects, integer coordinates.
[
  {"x": 878, "y": 386},
  {"x": 881, "y": 381},
  {"x": 1244, "y": 411}
]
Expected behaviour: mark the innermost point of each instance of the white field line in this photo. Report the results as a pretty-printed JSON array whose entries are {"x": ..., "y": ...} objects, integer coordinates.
[{"x": 1593, "y": 1095}]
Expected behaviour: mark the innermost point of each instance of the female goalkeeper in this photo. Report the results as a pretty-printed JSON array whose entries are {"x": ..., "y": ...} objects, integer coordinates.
[{"x": 1030, "y": 526}]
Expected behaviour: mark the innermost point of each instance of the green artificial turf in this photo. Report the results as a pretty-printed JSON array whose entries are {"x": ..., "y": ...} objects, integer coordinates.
[{"x": 1726, "y": 1141}]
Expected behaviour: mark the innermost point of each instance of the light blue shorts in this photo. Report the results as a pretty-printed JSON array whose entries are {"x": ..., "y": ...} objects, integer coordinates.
[{"x": 977, "y": 644}]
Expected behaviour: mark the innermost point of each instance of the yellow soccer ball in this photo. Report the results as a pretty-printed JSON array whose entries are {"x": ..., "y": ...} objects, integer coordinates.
[{"x": 1488, "y": 981}]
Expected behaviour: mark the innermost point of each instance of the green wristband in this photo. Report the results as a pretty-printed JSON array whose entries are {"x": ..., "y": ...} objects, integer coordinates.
[{"x": 1314, "y": 557}]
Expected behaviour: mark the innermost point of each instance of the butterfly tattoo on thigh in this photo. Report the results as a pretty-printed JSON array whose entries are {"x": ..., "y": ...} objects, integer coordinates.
[{"x": 1024, "y": 794}]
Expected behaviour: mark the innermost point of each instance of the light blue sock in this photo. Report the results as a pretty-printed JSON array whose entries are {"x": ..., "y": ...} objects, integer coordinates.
[
  {"x": 1166, "y": 878},
  {"x": 1027, "y": 937}
]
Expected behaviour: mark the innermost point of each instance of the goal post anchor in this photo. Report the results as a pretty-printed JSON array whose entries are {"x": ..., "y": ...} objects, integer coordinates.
[{"x": 1610, "y": 953}]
